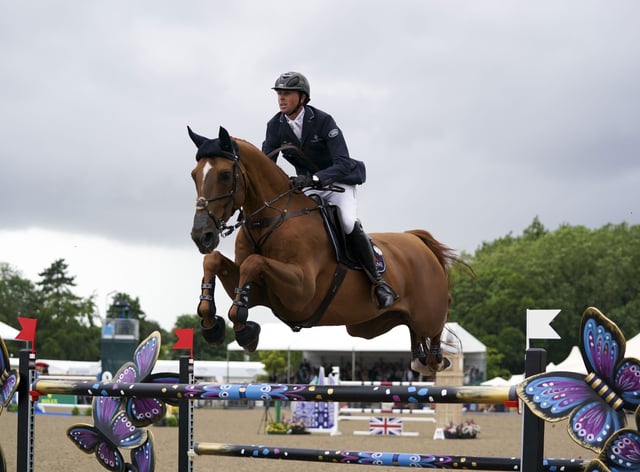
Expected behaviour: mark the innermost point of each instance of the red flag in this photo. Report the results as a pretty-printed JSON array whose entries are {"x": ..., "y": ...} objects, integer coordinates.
[
  {"x": 28, "y": 331},
  {"x": 185, "y": 339}
]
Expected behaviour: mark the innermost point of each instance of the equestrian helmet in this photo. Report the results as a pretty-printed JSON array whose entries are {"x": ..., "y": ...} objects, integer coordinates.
[{"x": 293, "y": 81}]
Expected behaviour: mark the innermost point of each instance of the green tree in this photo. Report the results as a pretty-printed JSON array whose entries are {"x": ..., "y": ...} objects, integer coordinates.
[
  {"x": 570, "y": 269},
  {"x": 201, "y": 350},
  {"x": 277, "y": 363},
  {"x": 18, "y": 297},
  {"x": 66, "y": 322}
]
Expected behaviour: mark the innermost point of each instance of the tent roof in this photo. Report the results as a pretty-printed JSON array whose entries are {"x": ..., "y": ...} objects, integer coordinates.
[
  {"x": 572, "y": 363},
  {"x": 279, "y": 337},
  {"x": 575, "y": 363},
  {"x": 7, "y": 332}
]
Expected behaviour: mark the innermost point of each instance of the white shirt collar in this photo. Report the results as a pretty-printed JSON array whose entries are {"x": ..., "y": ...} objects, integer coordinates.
[{"x": 296, "y": 123}]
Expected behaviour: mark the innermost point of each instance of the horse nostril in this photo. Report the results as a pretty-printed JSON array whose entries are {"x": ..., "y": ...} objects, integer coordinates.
[{"x": 207, "y": 239}]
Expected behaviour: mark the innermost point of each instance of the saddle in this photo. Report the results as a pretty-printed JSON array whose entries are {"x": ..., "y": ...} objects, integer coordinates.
[
  {"x": 344, "y": 253},
  {"x": 344, "y": 257}
]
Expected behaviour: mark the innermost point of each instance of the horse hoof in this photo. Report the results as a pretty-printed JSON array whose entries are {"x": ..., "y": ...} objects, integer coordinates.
[
  {"x": 420, "y": 367},
  {"x": 215, "y": 334},
  {"x": 249, "y": 336}
]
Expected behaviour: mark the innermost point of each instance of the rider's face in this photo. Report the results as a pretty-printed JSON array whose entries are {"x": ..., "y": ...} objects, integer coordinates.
[{"x": 288, "y": 101}]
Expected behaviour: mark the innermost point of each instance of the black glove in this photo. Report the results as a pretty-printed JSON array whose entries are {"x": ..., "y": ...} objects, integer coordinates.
[{"x": 302, "y": 181}]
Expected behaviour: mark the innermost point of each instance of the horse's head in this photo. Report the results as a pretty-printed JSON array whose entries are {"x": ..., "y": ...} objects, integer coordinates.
[{"x": 217, "y": 179}]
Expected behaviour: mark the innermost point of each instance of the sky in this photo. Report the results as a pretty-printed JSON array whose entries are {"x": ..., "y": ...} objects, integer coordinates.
[{"x": 473, "y": 118}]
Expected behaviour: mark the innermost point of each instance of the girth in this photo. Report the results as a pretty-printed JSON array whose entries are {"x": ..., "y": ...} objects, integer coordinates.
[{"x": 336, "y": 281}]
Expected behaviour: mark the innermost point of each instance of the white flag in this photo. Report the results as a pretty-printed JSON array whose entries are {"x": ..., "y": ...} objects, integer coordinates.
[{"x": 538, "y": 325}]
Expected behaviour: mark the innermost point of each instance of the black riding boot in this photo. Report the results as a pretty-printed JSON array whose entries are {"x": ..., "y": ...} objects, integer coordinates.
[{"x": 385, "y": 295}]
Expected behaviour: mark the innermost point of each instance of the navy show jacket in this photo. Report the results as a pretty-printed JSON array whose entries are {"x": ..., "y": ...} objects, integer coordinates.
[{"x": 322, "y": 144}]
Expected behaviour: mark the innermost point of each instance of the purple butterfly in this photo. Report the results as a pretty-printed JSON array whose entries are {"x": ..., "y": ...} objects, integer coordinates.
[
  {"x": 145, "y": 411},
  {"x": 143, "y": 457},
  {"x": 594, "y": 403},
  {"x": 112, "y": 429},
  {"x": 621, "y": 452},
  {"x": 9, "y": 378}
]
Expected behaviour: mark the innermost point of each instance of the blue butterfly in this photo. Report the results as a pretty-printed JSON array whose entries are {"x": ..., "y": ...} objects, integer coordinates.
[
  {"x": 594, "y": 403},
  {"x": 143, "y": 457},
  {"x": 621, "y": 452},
  {"x": 9, "y": 378},
  {"x": 145, "y": 411},
  {"x": 112, "y": 429}
]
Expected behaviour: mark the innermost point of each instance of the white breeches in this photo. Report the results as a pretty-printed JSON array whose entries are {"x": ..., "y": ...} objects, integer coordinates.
[{"x": 346, "y": 202}]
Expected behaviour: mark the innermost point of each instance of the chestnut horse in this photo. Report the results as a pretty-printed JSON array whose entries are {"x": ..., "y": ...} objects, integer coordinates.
[{"x": 285, "y": 260}]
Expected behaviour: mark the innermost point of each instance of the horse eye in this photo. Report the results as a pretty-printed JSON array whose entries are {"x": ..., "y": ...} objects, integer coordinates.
[{"x": 224, "y": 176}]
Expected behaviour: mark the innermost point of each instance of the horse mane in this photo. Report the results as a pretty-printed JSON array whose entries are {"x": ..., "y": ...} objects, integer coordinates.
[{"x": 259, "y": 155}]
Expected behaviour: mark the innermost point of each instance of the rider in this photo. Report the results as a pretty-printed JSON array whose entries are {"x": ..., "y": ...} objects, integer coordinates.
[{"x": 324, "y": 160}]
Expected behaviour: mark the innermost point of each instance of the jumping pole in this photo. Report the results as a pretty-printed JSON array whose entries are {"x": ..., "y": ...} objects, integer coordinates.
[
  {"x": 285, "y": 392},
  {"x": 381, "y": 458}
]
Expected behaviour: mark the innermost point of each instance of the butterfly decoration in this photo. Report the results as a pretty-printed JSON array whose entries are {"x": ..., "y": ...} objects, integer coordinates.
[
  {"x": 145, "y": 411},
  {"x": 621, "y": 452},
  {"x": 142, "y": 457},
  {"x": 9, "y": 378},
  {"x": 595, "y": 403},
  {"x": 112, "y": 429}
]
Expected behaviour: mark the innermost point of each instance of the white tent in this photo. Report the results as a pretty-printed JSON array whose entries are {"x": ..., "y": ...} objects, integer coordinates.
[
  {"x": 7, "y": 332},
  {"x": 279, "y": 337},
  {"x": 329, "y": 341},
  {"x": 575, "y": 363},
  {"x": 216, "y": 371},
  {"x": 495, "y": 382},
  {"x": 515, "y": 379},
  {"x": 633, "y": 347},
  {"x": 572, "y": 363}
]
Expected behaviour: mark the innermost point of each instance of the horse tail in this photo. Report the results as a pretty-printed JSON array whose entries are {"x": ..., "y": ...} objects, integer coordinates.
[{"x": 445, "y": 255}]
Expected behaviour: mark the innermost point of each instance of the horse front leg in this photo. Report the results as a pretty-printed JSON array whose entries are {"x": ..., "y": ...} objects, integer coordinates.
[
  {"x": 212, "y": 325},
  {"x": 247, "y": 332}
]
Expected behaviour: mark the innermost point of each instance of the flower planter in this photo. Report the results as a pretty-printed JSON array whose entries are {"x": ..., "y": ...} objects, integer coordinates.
[{"x": 468, "y": 430}]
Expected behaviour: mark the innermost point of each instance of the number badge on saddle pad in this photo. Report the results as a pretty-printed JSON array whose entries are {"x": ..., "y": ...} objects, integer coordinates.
[{"x": 595, "y": 403}]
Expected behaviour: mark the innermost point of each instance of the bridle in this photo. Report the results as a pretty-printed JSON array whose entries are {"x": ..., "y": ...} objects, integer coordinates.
[
  {"x": 252, "y": 221},
  {"x": 202, "y": 203}
]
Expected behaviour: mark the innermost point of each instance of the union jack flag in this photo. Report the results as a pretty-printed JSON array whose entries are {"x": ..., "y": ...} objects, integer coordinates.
[{"x": 385, "y": 426}]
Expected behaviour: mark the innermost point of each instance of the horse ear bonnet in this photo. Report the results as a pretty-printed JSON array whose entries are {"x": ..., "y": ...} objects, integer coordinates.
[{"x": 224, "y": 146}]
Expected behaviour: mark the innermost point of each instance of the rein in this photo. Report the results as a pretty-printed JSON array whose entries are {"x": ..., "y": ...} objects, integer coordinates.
[
  {"x": 298, "y": 150},
  {"x": 250, "y": 222},
  {"x": 273, "y": 222}
]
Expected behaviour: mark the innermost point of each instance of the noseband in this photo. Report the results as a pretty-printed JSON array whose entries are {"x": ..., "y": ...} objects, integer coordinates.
[{"x": 203, "y": 203}]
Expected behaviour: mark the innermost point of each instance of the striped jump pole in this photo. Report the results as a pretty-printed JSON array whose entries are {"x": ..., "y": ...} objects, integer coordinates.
[
  {"x": 381, "y": 458},
  {"x": 283, "y": 392}
]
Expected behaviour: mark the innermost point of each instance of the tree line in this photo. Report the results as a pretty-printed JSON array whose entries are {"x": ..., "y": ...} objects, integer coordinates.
[
  {"x": 569, "y": 269},
  {"x": 69, "y": 326}
]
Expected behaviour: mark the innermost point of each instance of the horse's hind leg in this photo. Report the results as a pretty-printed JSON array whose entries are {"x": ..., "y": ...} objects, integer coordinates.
[{"x": 427, "y": 357}]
